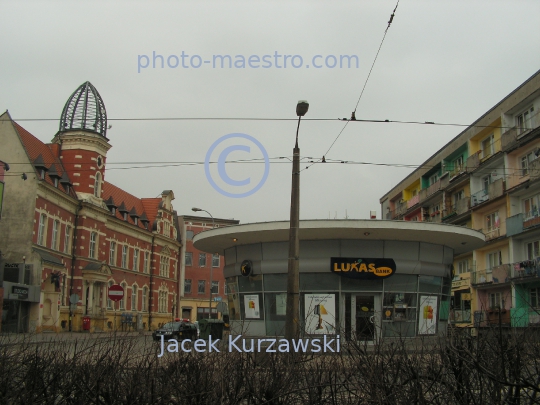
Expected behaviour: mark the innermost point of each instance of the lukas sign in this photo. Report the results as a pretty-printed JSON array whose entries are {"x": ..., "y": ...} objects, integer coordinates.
[{"x": 364, "y": 269}]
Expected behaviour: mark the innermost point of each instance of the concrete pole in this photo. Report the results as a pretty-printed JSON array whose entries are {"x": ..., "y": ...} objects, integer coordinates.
[{"x": 292, "y": 318}]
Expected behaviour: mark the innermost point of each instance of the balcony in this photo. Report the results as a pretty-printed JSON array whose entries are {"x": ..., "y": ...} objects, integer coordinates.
[
  {"x": 460, "y": 316},
  {"x": 510, "y": 138},
  {"x": 531, "y": 219},
  {"x": 494, "y": 190},
  {"x": 514, "y": 225},
  {"x": 413, "y": 201},
  {"x": 534, "y": 169},
  {"x": 524, "y": 270},
  {"x": 496, "y": 275},
  {"x": 473, "y": 161}
]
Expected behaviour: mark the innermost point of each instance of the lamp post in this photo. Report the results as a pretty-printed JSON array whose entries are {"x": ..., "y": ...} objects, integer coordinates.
[
  {"x": 195, "y": 209},
  {"x": 292, "y": 314}
]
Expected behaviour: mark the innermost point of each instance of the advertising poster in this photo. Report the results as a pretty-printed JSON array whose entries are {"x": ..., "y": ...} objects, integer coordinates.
[
  {"x": 251, "y": 305},
  {"x": 320, "y": 313},
  {"x": 427, "y": 318}
]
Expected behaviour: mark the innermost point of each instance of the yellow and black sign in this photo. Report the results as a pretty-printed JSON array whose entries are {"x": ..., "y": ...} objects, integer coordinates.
[
  {"x": 364, "y": 269},
  {"x": 246, "y": 268}
]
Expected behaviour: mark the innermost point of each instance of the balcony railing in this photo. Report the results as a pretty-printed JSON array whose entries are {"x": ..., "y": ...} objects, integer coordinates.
[
  {"x": 525, "y": 269},
  {"x": 496, "y": 275},
  {"x": 494, "y": 190},
  {"x": 460, "y": 315},
  {"x": 531, "y": 219},
  {"x": 510, "y": 138},
  {"x": 413, "y": 201}
]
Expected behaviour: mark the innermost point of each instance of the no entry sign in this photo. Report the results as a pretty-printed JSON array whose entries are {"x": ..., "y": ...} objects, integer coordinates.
[{"x": 116, "y": 292}]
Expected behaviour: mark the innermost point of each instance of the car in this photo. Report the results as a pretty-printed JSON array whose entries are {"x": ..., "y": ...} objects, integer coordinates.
[{"x": 179, "y": 330}]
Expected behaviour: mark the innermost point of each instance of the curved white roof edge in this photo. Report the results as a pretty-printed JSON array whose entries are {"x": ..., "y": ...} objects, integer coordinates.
[{"x": 458, "y": 238}]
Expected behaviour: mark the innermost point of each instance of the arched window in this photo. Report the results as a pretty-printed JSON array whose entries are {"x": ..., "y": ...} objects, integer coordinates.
[
  {"x": 134, "y": 298},
  {"x": 110, "y": 302},
  {"x": 144, "y": 298},
  {"x": 93, "y": 242},
  {"x": 123, "y": 300},
  {"x": 97, "y": 185}
]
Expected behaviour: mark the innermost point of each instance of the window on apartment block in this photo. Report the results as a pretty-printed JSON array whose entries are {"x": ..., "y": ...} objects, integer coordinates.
[
  {"x": 134, "y": 292},
  {"x": 55, "y": 232},
  {"x": 215, "y": 260},
  {"x": 67, "y": 238},
  {"x": 112, "y": 253},
  {"x": 93, "y": 242},
  {"x": 41, "y": 230},
  {"x": 215, "y": 287},
  {"x": 124, "y": 256},
  {"x": 492, "y": 221},
  {"x": 495, "y": 300},
  {"x": 433, "y": 179},
  {"x": 488, "y": 146},
  {"x": 144, "y": 299},
  {"x": 530, "y": 207},
  {"x": 202, "y": 259},
  {"x": 493, "y": 259},
  {"x": 201, "y": 287},
  {"x": 534, "y": 295},
  {"x": 523, "y": 120},
  {"x": 525, "y": 160},
  {"x": 187, "y": 286},
  {"x": 189, "y": 259},
  {"x": 189, "y": 235},
  {"x": 458, "y": 164},
  {"x": 533, "y": 250},
  {"x": 460, "y": 195},
  {"x": 463, "y": 266},
  {"x": 486, "y": 181},
  {"x": 146, "y": 262}
]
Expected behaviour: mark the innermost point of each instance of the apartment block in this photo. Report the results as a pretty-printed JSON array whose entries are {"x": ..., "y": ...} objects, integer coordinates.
[{"x": 487, "y": 178}]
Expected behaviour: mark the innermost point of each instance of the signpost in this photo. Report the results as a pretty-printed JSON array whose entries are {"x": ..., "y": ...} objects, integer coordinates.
[{"x": 116, "y": 293}]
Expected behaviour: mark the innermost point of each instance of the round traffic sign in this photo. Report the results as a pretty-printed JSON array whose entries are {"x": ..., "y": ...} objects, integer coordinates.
[{"x": 116, "y": 292}]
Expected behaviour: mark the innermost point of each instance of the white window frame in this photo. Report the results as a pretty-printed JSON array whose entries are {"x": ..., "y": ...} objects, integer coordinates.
[
  {"x": 189, "y": 259},
  {"x": 202, "y": 259},
  {"x": 134, "y": 292},
  {"x": 55, "y": 231},
  {"x": 144, "y": 299},
  {"x": 532, "y": 250},
  {"x": 110, "y": 303},
  {"x": 493, "y": 221},
  {"x": 187, "y": 286},
  {"x": 495, "y": 300},
  {"x": 145, "y": 262},
  {"x": 523, "y": 120},
  {"x": 525, "y": 161},
  {"x": 201, "y": 287},
  {"x": 135, "y": 259},
  {"x": 112, "y": 253},
  {"x": 164, "y": 265},
  {"x": 215, "y": 260},
  {"x": 463, "y": 266},
  {"x": 488, "y": 146},
  {"x": 493, "y": 259},
  {"x": 123, "y": 300},
  {"x": 41, "y": 238},
  {"x": 92, "y": 248},
  {"x": 434, "y": 178},
  {"x": 97, "y": 185},
  {"x": 124, "y": 256},
  {"x": 67, "y": 238},
  {"x": 534, "y": 296},
  {"x": 215, "y": 287}
]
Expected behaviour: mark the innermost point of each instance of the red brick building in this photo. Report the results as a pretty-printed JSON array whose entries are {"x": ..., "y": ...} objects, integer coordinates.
[
  {"x": 202, "y": 273},
  {"x": 66, "y": 232}
]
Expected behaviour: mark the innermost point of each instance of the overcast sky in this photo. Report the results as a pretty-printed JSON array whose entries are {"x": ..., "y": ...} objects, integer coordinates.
[{"x": 442, "y": 61}]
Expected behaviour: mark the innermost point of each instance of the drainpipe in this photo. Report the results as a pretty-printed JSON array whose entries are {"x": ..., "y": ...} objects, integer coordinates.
[
  {"x": 151, "y": 280},
  {"x": 77, "y": 210}
]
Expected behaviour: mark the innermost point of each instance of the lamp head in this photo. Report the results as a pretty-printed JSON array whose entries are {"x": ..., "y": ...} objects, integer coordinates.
[
  {"x": 195, "y": 209},
  {"x": 6, "y": 167},
  {"x": 302, "y": 108}
]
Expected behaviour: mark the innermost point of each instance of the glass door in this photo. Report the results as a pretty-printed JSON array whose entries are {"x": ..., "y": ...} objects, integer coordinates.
[{"x": 362, "y": 316}]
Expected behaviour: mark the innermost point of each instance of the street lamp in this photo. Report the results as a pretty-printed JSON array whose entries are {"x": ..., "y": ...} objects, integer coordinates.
[
  {"x": 195, "y": 209},
  {"x": 292, "y": 314}
]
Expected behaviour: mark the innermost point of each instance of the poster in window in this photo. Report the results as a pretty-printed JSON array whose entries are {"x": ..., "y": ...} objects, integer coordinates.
[
  {"x": 427, "y": 317},
  {"x": 251, "y": 305},
  {"x": 281, "y": 304},
  {"x": 320, "y": 312}
]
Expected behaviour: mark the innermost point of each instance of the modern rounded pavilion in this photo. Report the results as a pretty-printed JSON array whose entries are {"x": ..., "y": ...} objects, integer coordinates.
[{"x": 361, "y": 279}]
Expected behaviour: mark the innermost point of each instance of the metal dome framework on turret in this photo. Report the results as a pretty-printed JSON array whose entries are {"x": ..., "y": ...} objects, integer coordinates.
[{"x": 84, "y": 110}]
